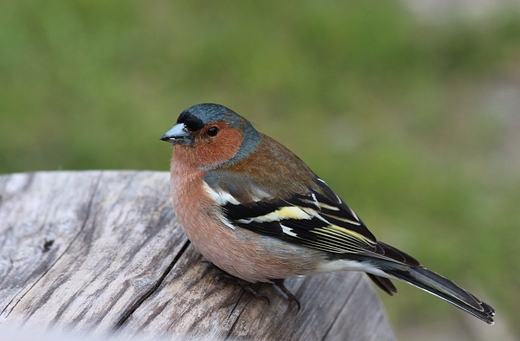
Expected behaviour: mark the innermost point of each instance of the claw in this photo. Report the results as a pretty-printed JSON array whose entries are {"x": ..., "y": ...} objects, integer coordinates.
[
  {"x": 290, "y": 296},
  {"x": 249, "y": 286},
  {"x": 256, "y": 294},
  {"x": 243, "y": 284}
]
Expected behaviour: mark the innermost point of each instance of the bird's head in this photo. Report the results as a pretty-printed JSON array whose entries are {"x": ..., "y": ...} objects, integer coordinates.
[{"x": 212, "y": 136}]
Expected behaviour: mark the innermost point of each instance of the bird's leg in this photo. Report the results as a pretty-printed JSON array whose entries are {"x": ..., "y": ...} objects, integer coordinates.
[
  {"x": 290, "y": 296},
  {"x": 241, "y": 283},
  {"x": 249, "y": 288}
]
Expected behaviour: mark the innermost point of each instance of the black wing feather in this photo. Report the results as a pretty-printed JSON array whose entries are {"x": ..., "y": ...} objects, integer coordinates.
[{"x": 325, "y": 223}]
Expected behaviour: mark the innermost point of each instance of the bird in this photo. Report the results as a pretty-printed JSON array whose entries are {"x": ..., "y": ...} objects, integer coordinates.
[{"x": 255, "y": 210}]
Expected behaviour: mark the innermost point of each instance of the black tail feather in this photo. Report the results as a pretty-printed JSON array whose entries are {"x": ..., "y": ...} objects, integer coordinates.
[
  {"x": 445, "y": 289},
  {"x": 384, "y": 284}
]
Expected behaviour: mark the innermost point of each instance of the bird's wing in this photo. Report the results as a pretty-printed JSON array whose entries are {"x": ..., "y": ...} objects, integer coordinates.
[{"x": 318, "y": 219}]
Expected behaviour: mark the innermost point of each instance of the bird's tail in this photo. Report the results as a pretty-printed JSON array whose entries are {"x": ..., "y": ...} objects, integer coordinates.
[{"x": 439, "y": 286}]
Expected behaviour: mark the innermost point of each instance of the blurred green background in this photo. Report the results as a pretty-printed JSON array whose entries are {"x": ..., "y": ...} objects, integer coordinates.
[{"x": 409, "y": 110}]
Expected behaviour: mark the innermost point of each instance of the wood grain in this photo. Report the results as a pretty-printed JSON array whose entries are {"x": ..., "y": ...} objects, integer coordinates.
[{"x": 100, "y": 252}]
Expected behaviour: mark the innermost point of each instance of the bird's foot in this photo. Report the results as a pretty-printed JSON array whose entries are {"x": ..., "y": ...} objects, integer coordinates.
[
  {"x": 224, "y": 276},
  {"x": 280, "y": 284}
]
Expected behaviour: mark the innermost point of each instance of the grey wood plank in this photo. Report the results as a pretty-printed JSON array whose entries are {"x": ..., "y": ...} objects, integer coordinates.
[{"x": 100, "y": 251}]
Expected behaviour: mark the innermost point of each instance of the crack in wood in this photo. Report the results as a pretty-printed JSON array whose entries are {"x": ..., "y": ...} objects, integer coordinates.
[
  {"x": 235, "y": 306},
  {"x": 126, "y": 315}
]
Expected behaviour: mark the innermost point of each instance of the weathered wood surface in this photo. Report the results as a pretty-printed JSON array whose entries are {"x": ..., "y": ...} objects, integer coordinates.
[{"x": 100, "y": 251}]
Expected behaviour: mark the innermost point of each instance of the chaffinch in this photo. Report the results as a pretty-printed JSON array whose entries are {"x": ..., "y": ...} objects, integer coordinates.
[{"x": 258, "y": 212}]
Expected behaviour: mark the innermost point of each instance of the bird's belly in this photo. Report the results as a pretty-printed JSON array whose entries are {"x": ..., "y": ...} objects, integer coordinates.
[{"x": 254, "y": 258}]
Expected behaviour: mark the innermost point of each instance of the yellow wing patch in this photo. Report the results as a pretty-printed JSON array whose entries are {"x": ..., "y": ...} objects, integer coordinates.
[{"x": 283, "y": 213}]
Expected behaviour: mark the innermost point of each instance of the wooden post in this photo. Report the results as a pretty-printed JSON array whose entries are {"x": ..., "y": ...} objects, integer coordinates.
[{"x": 100, "y": 252}]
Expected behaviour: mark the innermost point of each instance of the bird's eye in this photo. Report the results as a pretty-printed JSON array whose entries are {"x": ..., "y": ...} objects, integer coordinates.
[{"x": 213, "y": 131}]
